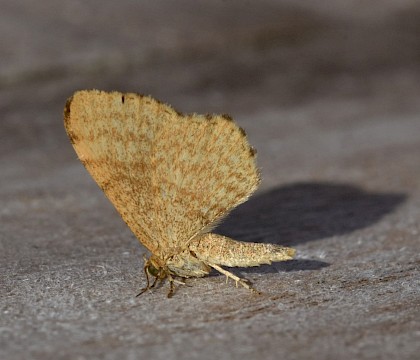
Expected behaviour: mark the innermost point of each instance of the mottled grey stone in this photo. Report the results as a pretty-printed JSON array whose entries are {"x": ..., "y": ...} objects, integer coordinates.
[{"x": 328, "y": 93}]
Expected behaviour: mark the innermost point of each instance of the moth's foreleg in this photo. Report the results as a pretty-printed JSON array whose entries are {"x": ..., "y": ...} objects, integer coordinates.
[
  {"x": 148, "y": 286},
  {"x": 158, "y": 275}
]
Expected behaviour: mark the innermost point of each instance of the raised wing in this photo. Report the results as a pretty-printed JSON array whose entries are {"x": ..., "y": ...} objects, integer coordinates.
[{"x": 170, "y": 176}]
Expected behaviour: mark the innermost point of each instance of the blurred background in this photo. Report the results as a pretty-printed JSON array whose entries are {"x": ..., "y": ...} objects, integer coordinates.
[
  {"x": 328, "y": 92},
  {"x": 240, "y": 57}
]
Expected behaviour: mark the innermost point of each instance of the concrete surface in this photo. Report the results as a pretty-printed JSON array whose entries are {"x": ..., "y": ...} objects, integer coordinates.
[{"x": 329, "y": 95}]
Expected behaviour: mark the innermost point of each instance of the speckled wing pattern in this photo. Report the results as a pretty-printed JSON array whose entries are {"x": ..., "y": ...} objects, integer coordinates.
[{"x": 170, "y": 176}]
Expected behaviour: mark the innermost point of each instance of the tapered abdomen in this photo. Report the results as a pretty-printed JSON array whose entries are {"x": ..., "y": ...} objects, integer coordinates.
[{"x": 221, "y": 250}]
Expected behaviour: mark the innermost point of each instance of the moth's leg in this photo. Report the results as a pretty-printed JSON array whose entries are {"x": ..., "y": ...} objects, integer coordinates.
[
  {"x": 244, "y": 282},
  {"x": 147, "y": 287},
  {"x": 160, "y": 275},
  {"x": 179, "y": 282},
  {"x": 171, "y": 286},
  {"x": 172, "y": 282},
  {"x": 154, "y": 282}
]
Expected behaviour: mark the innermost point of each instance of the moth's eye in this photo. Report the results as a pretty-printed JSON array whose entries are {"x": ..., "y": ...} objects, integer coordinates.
[{"x": 152, "y": 270}]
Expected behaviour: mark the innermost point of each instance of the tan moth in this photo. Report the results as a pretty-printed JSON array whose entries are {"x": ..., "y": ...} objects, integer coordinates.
[{"x": 172, "y": 178}]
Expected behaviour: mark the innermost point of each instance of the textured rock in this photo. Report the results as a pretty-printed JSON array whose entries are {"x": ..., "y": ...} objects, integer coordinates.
[{"x": 328, "y": 96}]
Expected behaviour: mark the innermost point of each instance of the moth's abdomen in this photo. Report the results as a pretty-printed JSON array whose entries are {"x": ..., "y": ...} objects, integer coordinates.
[{"x": 221, "y": 250}]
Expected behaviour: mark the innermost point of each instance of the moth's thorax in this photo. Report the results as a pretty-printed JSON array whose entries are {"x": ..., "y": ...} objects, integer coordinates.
[{"x": 185, "y": 264}]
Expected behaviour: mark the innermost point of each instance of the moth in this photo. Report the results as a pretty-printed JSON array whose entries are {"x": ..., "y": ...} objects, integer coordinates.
[{"x": 172, "y": 178}]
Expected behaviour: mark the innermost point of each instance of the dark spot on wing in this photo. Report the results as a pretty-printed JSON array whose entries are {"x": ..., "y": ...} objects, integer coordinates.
[{"x": 227, "y": 117}]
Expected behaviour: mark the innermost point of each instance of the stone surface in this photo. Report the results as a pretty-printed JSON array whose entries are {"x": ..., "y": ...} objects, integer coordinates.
[{"x": 328, "y": 94}]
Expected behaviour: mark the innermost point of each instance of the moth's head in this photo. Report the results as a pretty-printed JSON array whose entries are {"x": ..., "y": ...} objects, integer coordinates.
[
  {"x": 152, "y": 270},
  {"x": 154, "y": 267}
]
